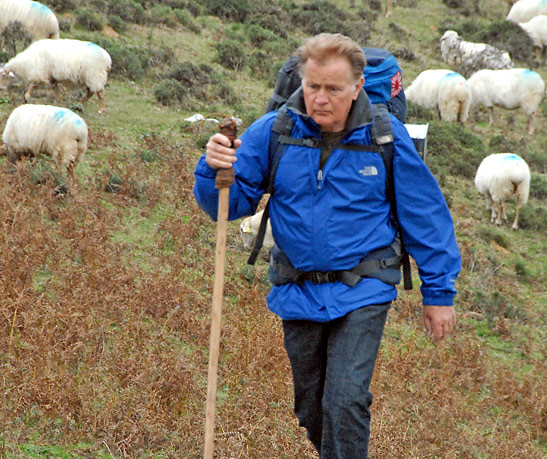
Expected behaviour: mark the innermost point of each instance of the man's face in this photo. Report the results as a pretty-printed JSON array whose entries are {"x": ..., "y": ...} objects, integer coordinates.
[{"x": 329, "y": 92}]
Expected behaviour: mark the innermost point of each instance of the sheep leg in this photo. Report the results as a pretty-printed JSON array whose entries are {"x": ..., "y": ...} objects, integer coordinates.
[
  {"x": 100, "y": 95},
  {"x": 490, "y": 116},
  {"x": 28, "y": 94},
  {"x": 13, "y": 156},
  {"x": 500, "y": 212},
  {"x": 71, "y": 176},
  {"x": 531, "y": 126},
  {"x": 57, "y": 91},
  {"x": 517, "y": 215},
  {"x": 389, "y": 6},
  {"x": 87, "y": 95}
]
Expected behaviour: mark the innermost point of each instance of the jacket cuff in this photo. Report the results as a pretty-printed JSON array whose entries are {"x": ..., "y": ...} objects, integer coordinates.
[
  {"x": 204, "y": 170},
  {"x": 438, "y": 299}
]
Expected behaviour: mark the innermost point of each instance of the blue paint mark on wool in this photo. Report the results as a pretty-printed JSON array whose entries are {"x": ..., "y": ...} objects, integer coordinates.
[
  {"x": 512, "y": 157},
  {"x": 94, "y": 46},
  {"x": 529, "y": 73},
  {"x": 60, "y": 115},
  {"x": 453, "y": 75},
  {"x": 39, "y": 7}
]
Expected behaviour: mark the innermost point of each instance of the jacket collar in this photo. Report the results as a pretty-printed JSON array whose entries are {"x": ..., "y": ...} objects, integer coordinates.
[{"x": 359, "y": 115}]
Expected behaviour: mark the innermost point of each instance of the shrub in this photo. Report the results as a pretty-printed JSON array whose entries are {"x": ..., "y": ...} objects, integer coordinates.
[
  {"x": 117, "y": 23},
  {"x": 163, "y": 15},
  {"x": 186, "y": 19},
  {"x": 170, "y": 91},
  {"x": 258, "y": 64},
  {"x": 62, "y": 5},
  {"x": 15, "y": 38},
  {"x": 229, "y": 10},
  {"x": 128, "y": 61},
  {"x": 270, "y": 17},
  {"x": 225, "y": 92},
  {"x": 320, "y": 16},
  {"x": 194, "y": 78},
  {"x": 128, "y": 10},
  {"x": 533, "y": 216},
  {"x": 231, "y": 54},
  {"x": 65, "y": 24},
  {"x": 89, "y": 20},
  {"x": 538, "y": 187},
  {"x": 454, "y": 150},
  {"x": 258, "y": 35},
  {"x": 506, "y": 35}
]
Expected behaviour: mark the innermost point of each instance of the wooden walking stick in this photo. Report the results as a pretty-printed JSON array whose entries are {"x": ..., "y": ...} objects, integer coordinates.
[{"x": 224, "y": 179}]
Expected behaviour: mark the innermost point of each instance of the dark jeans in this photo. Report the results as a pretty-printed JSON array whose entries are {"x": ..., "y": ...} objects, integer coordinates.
[{"x": 332, "y": 365}]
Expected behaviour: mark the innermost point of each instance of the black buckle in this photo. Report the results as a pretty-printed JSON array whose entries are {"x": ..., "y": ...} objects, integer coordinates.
[
  {"x": 319, "y": 277},
  {"x": 382, "y": 263}
]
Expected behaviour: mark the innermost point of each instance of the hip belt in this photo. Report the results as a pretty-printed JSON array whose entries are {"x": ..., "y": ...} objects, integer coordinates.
[{"x": 383, "y": 264}]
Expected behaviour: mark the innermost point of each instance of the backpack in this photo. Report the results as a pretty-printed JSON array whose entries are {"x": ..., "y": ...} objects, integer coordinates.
[
  {"x": 382, "y": 138},
  {"x": 383, "y": 82}
]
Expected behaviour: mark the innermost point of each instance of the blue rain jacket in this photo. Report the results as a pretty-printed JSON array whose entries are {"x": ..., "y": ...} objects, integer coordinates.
[{"x": 329, "y": 220}]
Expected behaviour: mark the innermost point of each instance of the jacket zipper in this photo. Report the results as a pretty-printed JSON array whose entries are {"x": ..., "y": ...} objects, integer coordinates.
[{"x": 319, "y": 179}]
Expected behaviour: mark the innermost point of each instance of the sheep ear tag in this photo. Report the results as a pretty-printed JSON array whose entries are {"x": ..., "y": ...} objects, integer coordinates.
[{"x": 11, "y": 74}]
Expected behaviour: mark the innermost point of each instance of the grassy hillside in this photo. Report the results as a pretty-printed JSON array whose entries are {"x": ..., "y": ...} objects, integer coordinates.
[{"x": 105, "y": 292}]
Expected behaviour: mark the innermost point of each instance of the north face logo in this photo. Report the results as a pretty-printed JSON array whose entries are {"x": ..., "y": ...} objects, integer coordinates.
[{"x": 369, "y": 170}]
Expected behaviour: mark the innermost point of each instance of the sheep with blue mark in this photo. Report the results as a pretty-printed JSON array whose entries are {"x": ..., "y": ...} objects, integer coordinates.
[
  {"x": 467, "y": 57},
  {"x": 510, "y": 89},
  {"x": 499, "y": 177},
  {"x": 444, "y": 90},
  {"x": 64, "y": 61},
  {"x": 38, "y": 19},
  {"x": 524, "y": 10},
  {"x": 48, "y": 130}
]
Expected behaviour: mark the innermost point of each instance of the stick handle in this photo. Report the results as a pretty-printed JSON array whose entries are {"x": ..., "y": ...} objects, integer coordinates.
[{"x": 224, "y": 179}]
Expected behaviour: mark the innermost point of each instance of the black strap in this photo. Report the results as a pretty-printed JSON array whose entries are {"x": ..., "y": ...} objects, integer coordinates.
[{"x": 349, "y": 277}]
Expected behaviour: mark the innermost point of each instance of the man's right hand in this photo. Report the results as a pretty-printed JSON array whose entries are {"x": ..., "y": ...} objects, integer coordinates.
[{"x": 218, "y": 152}]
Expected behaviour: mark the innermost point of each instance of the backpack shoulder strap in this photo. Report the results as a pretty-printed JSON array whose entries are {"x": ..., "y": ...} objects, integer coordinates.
[
  {"x": 382, "y": 134},
  {"x": 281, "y": 131}
]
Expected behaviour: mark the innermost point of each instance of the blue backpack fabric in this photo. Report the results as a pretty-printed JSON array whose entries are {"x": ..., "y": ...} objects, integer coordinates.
[{"x": 383, "y": 82}]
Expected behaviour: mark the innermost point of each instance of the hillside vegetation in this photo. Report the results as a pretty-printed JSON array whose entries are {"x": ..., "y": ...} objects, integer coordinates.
[{"x": 105, "y": 292}]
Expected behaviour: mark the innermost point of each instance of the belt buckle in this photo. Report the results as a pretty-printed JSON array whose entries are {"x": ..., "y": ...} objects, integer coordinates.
[{"x": 320, "y": 277}]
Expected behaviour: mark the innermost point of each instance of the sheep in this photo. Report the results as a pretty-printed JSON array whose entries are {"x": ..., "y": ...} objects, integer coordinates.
[
  {"x": 249, "y": 229},
  {"x": 536, "y": 29},
  {"x": 38, "y": 19},
  {"x": 524, "y": 10},
  {"x": 75, "y": 62},
  {"x": 467, "y": 57},
  {"x": 49, "y": 130},
  {"x": 443, "y": 89},
  {"x": 499, "y": 176},
  {"x": 510, "y": 89}
]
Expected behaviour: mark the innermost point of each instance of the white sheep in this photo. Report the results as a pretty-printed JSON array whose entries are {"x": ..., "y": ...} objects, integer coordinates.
[
  {"x": 524, "y": 10},
  {"x": 65, "y": 61},
  {"x": 467, "y": 56},
  {"x": 500, "y": 176},
  {"x": 510, "y": 89},
  {"x": 38, "y": 19},
  {"x": 444, "y": 90},
  {"x": 536, "y": 29},
  {"x": 248, "y": 230},
  {"x": 45, "y": 129}
]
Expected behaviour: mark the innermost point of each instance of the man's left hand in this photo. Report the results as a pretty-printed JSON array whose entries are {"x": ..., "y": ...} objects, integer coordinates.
[{"x": 439, "y": 321}]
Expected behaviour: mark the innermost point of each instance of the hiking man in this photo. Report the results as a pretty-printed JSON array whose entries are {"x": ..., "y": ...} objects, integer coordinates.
[{"x": 329, "y": 212}]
